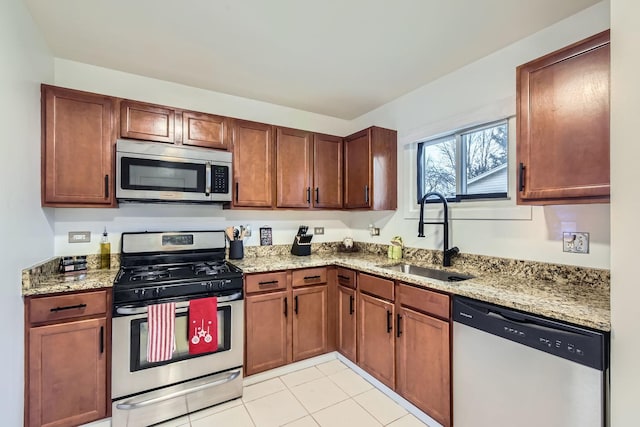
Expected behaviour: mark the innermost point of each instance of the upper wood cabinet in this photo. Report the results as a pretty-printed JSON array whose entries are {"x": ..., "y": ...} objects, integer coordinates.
[
  {"x": 370, "y": 158},
  {"x": 563, "y": 125},
  {"x": 308, "y": 170},
  {"x": 78, "y": 138},
  {"x": 327, "y": 171},
  {"x": 293, "y": 168},
  {"x": 204, "y": 130},
  {"x": 165, "y": 124},
  {"x": 147, "y": 122},
  {"x": 253, "y": 164}
]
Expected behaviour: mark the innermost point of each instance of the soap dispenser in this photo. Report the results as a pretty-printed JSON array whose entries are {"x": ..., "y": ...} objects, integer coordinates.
[{"x": 105, "y": 251}]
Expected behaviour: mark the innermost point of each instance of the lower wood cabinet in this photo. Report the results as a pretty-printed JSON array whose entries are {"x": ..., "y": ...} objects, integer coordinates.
[
  {"x": 346, "y": 330},
  {"x": 376, "y": 342},
  {"x": 67, "y": 350},
  {"x": 283, "y": 323},
  {"x": 423, "y": 364}
]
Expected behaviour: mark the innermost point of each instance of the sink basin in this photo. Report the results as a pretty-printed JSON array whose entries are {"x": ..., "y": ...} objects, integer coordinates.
[{"x": 432, "y": 273}]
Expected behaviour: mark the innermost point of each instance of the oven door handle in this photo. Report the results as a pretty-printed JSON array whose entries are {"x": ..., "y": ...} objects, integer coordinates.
[
  {"x": 131, "y": 404},
  {"x": 181, "y": 307}
]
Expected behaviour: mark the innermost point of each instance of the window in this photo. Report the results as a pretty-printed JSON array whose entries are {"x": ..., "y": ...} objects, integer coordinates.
[{"x": 468, "y": 164}]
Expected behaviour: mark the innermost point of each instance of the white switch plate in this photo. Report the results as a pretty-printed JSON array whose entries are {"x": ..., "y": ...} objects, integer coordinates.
[
  {"x": 318, "y": 230},
  {"x": 575, "y": 242}
]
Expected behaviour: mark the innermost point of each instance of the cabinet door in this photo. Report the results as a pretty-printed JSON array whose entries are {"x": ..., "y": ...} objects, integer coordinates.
[
  {"x": 204, "y": 130},
  {"x": 253, "y": 163},
  {"x": 77, "y": 148},
  {"x": 67, "y": 373},
  {"x": 293, "y": 168},
  {"x": 423, "y": 364},
  {"x": 267, "y": 331},
  {"x": 327, "y": 171},
  {"x": 376, "y": 353},
  {"x": 563, "y": 125},
  {"x": 357, "y": 160},
  {"x": 147, "y": 122},
  {"x": 309, "y": 321},
  {"x": 347, "y": 322}
]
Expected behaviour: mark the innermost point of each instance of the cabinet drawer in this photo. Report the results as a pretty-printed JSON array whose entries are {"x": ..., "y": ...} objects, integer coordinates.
[
  {"x": 60, "y": 307},
  {"x": 266, "y": 282},
  {"x": 424, "y": 300},
  {"x": 347, "y": 278},
  {"x": 309, "y": 276},
  {"x": 377, "y": 286}
]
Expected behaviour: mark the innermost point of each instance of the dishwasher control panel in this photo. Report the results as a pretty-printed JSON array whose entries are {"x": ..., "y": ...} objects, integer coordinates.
[{"x": 571, "y": 342}]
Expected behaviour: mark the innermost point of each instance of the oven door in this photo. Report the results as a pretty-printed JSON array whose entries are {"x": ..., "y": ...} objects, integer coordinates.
[{"x": 132, "y": 373}]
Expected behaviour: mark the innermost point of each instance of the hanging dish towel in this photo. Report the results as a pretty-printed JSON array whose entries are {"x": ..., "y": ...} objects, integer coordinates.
[
  {"x": 203, "y": 325},
  {"x": 161, "y": 334}
]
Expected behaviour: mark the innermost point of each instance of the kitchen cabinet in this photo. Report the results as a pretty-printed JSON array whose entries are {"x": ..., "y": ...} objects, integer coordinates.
[
  {"x": 286, "y": 317},
  {"x": 563, "y": 125},
  {"x": 78, "y": 137},
  {"x": 253, "y": 164},
  {"x": 308, "y": 170},
  {"x": 158, "y": 123},
  {"x": 60, "y": 329},
  {"x": 293, "y": 168},
  {"x": 376, "y": 341},
  {"x": 370, "y": 159},
  {"x": 346, "y": 309},
  {"x": 423, "y": 365}
]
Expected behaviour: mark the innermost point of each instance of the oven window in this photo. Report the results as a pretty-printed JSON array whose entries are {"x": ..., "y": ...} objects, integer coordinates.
[
  {"x": 146, "y": 174},
  {"x": 139, "y": 337}
]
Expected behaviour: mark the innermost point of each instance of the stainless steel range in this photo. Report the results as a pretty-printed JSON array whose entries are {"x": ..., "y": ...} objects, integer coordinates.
[{"x": 158, "y": 269}]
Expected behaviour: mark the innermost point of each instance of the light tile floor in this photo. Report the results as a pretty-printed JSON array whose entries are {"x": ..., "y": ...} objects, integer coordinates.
[{"x": 328, "y": 394}]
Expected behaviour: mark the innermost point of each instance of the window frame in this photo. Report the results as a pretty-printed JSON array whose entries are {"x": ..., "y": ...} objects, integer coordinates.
[{"x": 460, "y": 165}]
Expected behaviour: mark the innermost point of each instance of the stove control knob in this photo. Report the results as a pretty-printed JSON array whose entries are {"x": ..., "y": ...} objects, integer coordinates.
[
  {"x": 221, "y": 284},
  {"x": 157, "y": 292}
]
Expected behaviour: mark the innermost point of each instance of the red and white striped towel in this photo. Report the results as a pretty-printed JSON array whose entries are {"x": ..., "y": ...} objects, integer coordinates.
[{"x": 161, "y": 334}]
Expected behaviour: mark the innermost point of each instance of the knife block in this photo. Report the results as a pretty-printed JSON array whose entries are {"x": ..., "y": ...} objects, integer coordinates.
[{"x": 302, "y": 245}]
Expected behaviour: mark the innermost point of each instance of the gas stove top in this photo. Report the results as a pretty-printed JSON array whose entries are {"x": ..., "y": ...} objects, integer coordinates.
[{"x": 173, "y": 266}]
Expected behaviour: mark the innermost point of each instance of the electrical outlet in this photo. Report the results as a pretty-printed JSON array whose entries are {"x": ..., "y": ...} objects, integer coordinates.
[
  {"x": 247, "y": 230},
  {"x": 575, "y": 242},
  {"x": 374, "y": 231},
  {"x": 318, "y": 230},
  {"x": 79, "y": 236}
]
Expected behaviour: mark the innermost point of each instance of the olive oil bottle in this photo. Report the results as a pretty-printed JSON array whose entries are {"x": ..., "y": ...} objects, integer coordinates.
[{"x": 105, "y": 251}]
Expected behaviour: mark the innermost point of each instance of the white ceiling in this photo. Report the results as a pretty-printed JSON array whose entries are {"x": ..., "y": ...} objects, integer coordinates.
[{"x": 340, "y": 58}]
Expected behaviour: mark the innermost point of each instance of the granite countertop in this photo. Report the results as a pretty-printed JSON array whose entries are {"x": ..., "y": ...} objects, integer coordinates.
[{"x": 581, "y": 299}]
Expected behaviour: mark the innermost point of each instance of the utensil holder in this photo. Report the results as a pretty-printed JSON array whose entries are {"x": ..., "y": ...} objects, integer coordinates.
[{"x": 236, "y": 249}]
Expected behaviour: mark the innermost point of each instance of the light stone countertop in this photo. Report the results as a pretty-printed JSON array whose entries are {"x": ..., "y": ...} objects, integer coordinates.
[{"x": 581, "y": 304}]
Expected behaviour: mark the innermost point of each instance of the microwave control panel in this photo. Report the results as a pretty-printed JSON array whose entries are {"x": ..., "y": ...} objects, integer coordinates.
[{"x": 220, "y": 179}]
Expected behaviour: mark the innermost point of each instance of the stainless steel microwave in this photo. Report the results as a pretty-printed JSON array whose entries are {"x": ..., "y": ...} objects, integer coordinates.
[{"x": 157, "y": 172}]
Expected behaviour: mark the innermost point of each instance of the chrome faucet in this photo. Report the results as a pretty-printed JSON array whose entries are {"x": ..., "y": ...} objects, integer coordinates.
[{"x": 447, "y": 252}]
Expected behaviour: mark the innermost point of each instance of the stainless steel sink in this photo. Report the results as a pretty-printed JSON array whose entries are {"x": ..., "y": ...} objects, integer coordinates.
[{"x": 432, "y": 273}]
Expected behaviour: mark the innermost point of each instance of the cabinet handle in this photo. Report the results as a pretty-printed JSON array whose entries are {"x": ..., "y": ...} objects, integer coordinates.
[
  {"x": 317, "y": 195},
  {"x": 521, "y": 177},
  {"x": 389, "y": 326},
  {"x": 237, "y": 190},
  {"x": 270, "y": 282},
  {"x": 101, "y": 339},
  {"x": 68, "y": 307},
  {"x": 398, "y": 330},
  {"x": 308, "y": 195},
  {"x": 295, "y": 304},
  {"x": 106, "y": 186},
  {"x": 366, "y": 194},
  {"x": 311, "y": 277},
  {"x": 340, "y": 276},
  {"x": 350, "y": 305},
  {"x": 286, "y": 308}
]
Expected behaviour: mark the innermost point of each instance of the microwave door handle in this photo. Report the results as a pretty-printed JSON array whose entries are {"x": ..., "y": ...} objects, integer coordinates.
[{"x": 207, "y": 190}]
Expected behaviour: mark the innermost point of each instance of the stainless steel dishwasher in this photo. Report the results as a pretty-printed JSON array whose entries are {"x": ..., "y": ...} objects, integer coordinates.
[{"x": 516, "y": 369}]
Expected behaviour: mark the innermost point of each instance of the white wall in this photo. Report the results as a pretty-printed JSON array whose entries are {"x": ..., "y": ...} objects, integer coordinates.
[
  {"x": 27, "y": 235},
  {"x": 625, "y": 205},
  {"x": 485, "y": 90}
]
